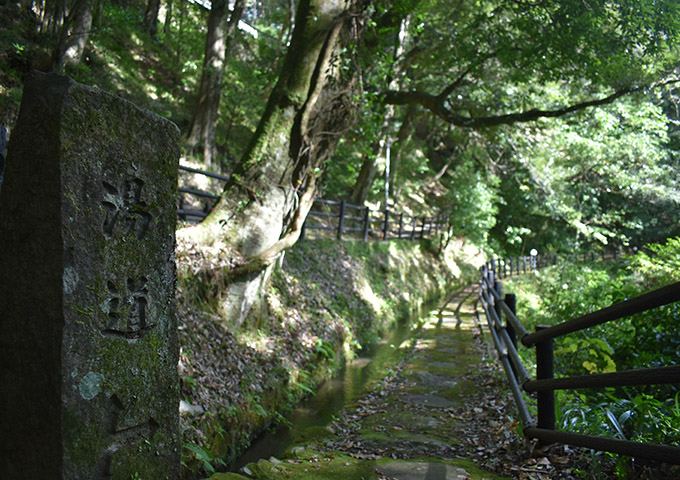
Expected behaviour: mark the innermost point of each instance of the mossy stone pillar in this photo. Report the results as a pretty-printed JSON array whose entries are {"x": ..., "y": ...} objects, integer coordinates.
[{"x": 89, "y": 385}]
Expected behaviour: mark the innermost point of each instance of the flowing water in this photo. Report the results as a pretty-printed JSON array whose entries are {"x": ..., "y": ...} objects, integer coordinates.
[{"x": 331, "y": 397}]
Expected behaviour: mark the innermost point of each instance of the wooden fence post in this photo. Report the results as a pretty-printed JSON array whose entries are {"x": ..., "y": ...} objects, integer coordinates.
[
  {"x": 401, "y": 224},
  {"x": 386, "y": 227},
  {"x": 341, "y": 221},
  {"x": 422, "y": 228},
  {"x": 511, "y": 302},
  {"x": 544, "y": 370},
  {"x": 498, "y": 286},
  {"x": 413, "y": 228},
  {"x": 367, "y": 222}
]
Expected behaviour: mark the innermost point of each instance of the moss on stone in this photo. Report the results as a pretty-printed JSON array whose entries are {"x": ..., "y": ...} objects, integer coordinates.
[{"x": 83, "y": 441}]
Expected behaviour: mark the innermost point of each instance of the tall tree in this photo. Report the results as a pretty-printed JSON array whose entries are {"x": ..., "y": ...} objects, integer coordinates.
[
  {"x": 151, "y": 17},
  {"x": 204, "y": 122},
  {"x": 168, "y": 17},
  {"x": 74, "y": 34},
  {"x": 272, "y": 189},
  {"x": 381, "y": 145},
  {"x": 52, "y": 15}
]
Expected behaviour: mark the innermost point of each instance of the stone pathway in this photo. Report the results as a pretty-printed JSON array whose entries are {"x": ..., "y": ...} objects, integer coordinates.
[{"x": 428, "y": 418}]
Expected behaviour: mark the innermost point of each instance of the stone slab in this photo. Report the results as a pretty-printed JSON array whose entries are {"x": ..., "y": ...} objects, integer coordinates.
[
  {"x": 87, "y": 311},
  {"x": 432, "y": 401},
  {"x": 422, "y": 471}
]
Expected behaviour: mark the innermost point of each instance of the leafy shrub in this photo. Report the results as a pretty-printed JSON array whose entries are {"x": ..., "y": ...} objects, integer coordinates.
[{"x": 649, "y": 339}]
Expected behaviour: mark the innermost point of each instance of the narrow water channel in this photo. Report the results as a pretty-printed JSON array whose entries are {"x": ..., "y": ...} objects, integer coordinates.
[{"x": 331, "y": 397}]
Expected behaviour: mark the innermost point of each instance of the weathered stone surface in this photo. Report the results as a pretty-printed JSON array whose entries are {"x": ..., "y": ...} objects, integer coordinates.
[
  {"x": 439, "y": 382},
  {"x": 422, "y": 471},
  {"x": 432, "y": 401},
  {"x": 87, "y": 309}
]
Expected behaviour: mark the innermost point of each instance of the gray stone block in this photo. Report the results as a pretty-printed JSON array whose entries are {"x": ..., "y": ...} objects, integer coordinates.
[{"x": 88, "y": 328}]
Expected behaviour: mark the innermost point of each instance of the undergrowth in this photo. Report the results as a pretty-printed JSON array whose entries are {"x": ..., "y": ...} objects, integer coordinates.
[{"x": 648, "y": 414}]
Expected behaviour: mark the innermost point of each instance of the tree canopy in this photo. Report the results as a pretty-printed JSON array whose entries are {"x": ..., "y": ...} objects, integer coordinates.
[
  {"x": 534, "y": 123},
  {"x": 568, "y": 101}
]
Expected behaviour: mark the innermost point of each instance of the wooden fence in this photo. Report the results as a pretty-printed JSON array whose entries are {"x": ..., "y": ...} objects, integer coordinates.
[
  {"x": 505, "y": 338},
  {"x": 338, "y": 218},
  {"x": 344, "y": 219}
]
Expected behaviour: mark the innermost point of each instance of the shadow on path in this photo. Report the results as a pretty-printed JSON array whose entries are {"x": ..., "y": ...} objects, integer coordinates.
[{"x": 429, "y": 417}]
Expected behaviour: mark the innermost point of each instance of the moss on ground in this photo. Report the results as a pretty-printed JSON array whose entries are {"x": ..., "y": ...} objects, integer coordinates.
[
  {"x": 328, "y": 300},
  {"x": 408, "y": 423}
]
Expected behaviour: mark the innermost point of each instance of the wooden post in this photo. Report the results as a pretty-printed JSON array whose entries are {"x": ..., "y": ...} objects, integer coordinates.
[
  {"x": 386, "y": 227},
  {"x": 367, "y": 222},
  {"x": 544, "y": 370},
  {"x": 422, "y": 228},
  {"x": 511, "y": 302},
  {"x": 413, "y": 228},
  {"x": 341, "y": 221},
  {"x": 401, "y": 224},
  {"x": 498, "y": 286}
]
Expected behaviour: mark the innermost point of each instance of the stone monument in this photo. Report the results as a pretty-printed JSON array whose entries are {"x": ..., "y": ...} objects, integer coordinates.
[{"x": 88, "y": 329}]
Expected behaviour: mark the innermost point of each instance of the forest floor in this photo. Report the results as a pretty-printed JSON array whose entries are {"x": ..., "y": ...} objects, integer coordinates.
[{"x": 435, "y": 415}]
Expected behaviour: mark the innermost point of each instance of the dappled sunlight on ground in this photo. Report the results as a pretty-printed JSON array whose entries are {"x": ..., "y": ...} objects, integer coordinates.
[{"x": 442, "y": 411}]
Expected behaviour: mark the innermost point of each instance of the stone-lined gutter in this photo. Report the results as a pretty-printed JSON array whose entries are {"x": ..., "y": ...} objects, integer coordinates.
[
  {"x": 424, "y": 419},
  {"x": 326, "y": 300}
]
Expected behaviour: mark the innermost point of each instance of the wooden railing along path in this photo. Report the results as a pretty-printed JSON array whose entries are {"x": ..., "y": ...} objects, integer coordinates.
[
  {"x": 340, "y": 218},
  {"x": 498, "y": 307}
]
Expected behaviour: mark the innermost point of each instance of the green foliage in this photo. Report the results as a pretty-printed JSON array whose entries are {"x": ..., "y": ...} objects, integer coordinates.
[
  {"x": 205, "y": 459},
  {"x": 472, "y": 202},
  {"x": 660, "y": 261},
  {"x": 592, "y": 354},
  {"x": 625, "y": 415},
  {"x": 325, "y": 349},
  {"x": 645, "y": 340},
  {"x": 603, "y": 177}
]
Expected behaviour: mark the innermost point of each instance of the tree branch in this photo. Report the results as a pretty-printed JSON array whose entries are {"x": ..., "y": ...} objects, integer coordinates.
[
  {"x": 458, "y": 81},
  {"x": 436, "y": 105},
  {"x": 263, "y": 259}
]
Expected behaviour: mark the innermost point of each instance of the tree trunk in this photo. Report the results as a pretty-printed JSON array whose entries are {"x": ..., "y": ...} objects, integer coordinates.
[
  {"x": 367, "y": 175},
  {"x": 168, "y": 18},
  {"x": 74, "y": 34},
  {"x": 151, "y": 17},
  {"x": 269, "y": 195},
  {"x": 53, "y": 14},
  {"x": 403, "y": 137},
  {"x": 216, "y": 46},
  {"x": 369, "y": 169}
]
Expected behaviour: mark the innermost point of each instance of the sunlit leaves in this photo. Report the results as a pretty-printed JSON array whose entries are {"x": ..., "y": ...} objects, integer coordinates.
[{"x": 596, "y": 172}]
